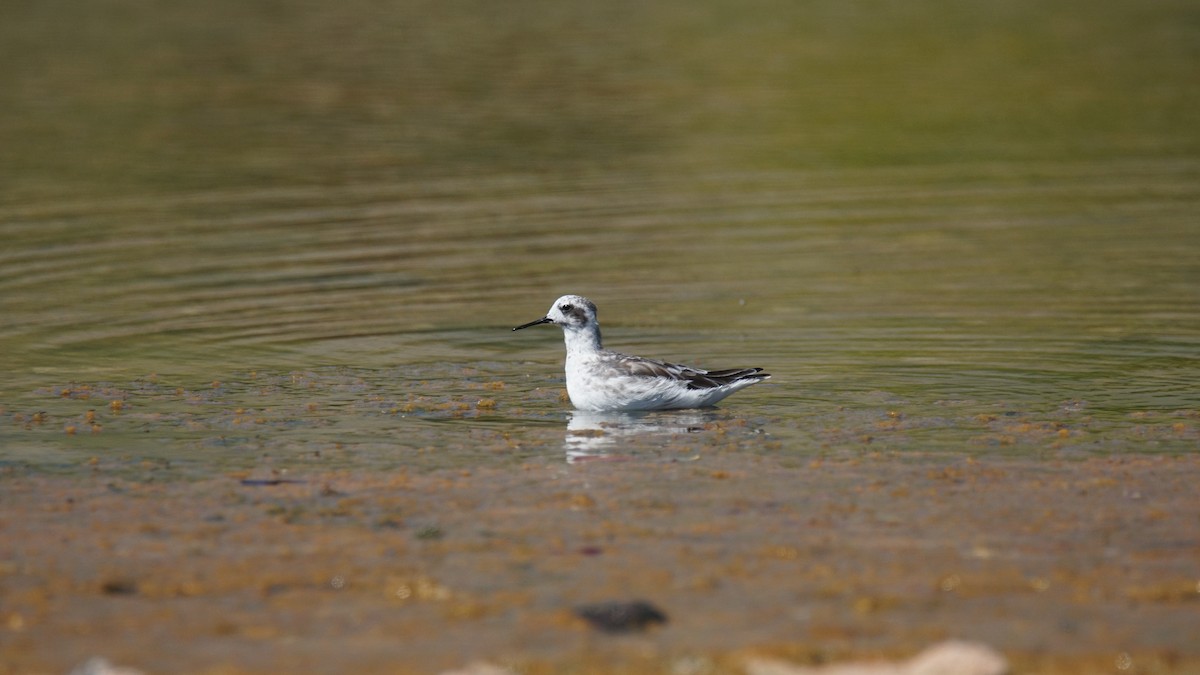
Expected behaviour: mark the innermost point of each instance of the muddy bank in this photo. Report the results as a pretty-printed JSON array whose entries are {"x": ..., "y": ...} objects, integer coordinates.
[{"x": 1061, "y": 565}]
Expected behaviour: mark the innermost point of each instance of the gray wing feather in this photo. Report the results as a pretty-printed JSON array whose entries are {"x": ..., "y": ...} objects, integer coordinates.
[{"x": 694, "y": 377}]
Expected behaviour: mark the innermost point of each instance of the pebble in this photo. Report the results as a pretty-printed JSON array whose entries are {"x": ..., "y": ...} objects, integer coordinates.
[{"x": 953, "y": 657}]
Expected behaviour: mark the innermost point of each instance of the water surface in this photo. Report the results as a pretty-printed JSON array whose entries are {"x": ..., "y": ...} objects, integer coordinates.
[{"x": 957, "y": 309}]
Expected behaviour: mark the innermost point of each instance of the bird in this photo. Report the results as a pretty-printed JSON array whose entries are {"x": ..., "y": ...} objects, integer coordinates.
[{"x": 606, "y": 381}]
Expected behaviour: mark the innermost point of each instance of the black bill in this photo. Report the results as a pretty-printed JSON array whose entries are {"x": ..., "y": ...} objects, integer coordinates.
[{"x": 544, "y": 319}]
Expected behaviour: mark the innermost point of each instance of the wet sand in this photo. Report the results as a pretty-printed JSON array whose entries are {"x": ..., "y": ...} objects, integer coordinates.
[{"x": 1069, "y": 566}]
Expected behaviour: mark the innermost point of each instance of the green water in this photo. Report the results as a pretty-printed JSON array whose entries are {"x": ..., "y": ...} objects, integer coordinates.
[{"x": 296, "y": 234}]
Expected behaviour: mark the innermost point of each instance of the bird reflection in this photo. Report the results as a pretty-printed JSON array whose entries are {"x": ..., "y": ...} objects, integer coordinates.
[{"x": 613, "y": 436}]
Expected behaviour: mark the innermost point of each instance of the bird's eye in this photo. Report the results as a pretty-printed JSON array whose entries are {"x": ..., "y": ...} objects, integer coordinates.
[{"x": 565, "y": 308}]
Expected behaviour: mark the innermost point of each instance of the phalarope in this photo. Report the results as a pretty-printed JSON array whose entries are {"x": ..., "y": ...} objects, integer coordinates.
[{"x": 603, "y": 380}]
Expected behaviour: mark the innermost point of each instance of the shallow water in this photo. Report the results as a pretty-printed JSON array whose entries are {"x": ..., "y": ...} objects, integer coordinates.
[{"x": 925, "y": 309}]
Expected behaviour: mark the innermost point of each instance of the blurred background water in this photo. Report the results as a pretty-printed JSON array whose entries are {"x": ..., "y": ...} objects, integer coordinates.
[{"x": 237, "y": 228}]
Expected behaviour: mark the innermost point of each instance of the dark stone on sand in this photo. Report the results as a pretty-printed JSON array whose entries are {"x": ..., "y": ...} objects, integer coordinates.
[
  {"x": 621, "y": 617},
  {"x": 119, "y": 587}
]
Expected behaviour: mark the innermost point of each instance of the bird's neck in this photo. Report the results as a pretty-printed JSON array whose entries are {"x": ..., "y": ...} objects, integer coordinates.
[{"x": 582, "y": 341}]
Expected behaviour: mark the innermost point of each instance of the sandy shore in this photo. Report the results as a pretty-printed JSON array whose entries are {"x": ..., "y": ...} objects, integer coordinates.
[{"x": 1082, "y": 565}]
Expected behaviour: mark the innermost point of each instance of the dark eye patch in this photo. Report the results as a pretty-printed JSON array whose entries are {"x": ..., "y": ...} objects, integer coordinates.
[{"x": 566, "y": 308}]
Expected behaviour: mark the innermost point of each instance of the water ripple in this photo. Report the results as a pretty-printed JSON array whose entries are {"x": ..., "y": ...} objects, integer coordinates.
[{"x": 958, "y": 282}]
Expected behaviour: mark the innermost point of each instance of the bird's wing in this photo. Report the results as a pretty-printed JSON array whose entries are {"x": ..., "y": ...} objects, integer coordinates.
[{"x": 694, "y": 378}]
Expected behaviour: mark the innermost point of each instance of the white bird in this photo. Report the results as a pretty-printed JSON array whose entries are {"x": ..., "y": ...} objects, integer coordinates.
[{"x": 603, "y": 380}]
